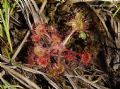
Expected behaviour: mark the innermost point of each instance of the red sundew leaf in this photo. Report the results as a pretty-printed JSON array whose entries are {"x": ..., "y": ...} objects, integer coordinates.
[
  {"x": 42, "y": 61},
  {"x": 40, "y": 29},
  {"x": 69, "y": 57},
  {"x": 55, "y": 39},
  {"x": 86, "y": 58},
  {"x": 35, "y": 38},
  {"x": 37, "y": 51},
  {"x": 30, "y": 59},
  {"x": 55, "y": 49},
  {"x": 53, "y": 52},
  {"x": 52, "y": 30},
  {"x": 70, "y": 52}
]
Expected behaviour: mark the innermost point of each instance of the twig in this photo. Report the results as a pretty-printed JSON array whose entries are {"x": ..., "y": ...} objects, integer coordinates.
[{"x": 20, "y": 47}]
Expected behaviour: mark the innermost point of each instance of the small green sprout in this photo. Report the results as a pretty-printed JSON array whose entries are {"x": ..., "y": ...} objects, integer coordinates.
[{"x": 82, "y": 35}]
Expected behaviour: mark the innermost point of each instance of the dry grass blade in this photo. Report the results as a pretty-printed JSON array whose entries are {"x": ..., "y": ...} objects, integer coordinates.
[
  {"x": 18, "y": 75},
  {"x": 101, "y": 19},
  {"x": 43, "y": 74},
  {"x": 25, "y": 12},
  {"x": 35, "y": 6},
  {"x": 43, "y": 18},
  {"x": 118, "y": 41},
  {"x": 7, "y": 83},
  {"x": 32, "y": 11},
  {"x": 72, "y": 83},
  {"x": 87, "y": 81},
  {"x": 15, "y": 21},
  {"x": 30, "y": 7},
  {"x": 43, "y": 6},
  {"x": 4, "y": 59},
  {"x": 21, "y": 45},
  {"x": 76, "y": 1},
  {"x": 118, "y": 9},
  {"x": 109, "y": 33},
  {"x": 22, "y": 82},
  {"x": 68, "y": 38}
]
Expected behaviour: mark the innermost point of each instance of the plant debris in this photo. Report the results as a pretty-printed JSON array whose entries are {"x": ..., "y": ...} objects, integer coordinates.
[{"x": 59, "y": 44}]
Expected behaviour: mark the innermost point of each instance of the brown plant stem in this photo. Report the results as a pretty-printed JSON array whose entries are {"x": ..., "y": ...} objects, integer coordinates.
[{"x": 62, "y": 45}]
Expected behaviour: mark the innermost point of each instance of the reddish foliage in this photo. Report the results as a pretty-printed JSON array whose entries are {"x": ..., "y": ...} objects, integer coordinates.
[
  {"x": 40, "y": 29},
  {"x": 55, "y": 39},
  {"x": 85, "y": 58},
  {"x": 42, "y": 61},
  {"x": 69, "y": 57},
  {"x": 30, "y": 59},
  {"x": 35, "y": 38},
  {"x": 54, "y": 50},
  {"x": 51, "y": 29},
  {"x": 39, "y": 51},
  {"x": 41, "y": 54}
]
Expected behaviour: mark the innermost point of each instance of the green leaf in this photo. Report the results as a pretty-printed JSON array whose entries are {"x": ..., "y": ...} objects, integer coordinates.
[
  {"x": 82, "y": 35},
  {"x": 1, "y": 30},
  {"x": 5, "y": 20},
  {"x": 5, "y": 4}
]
